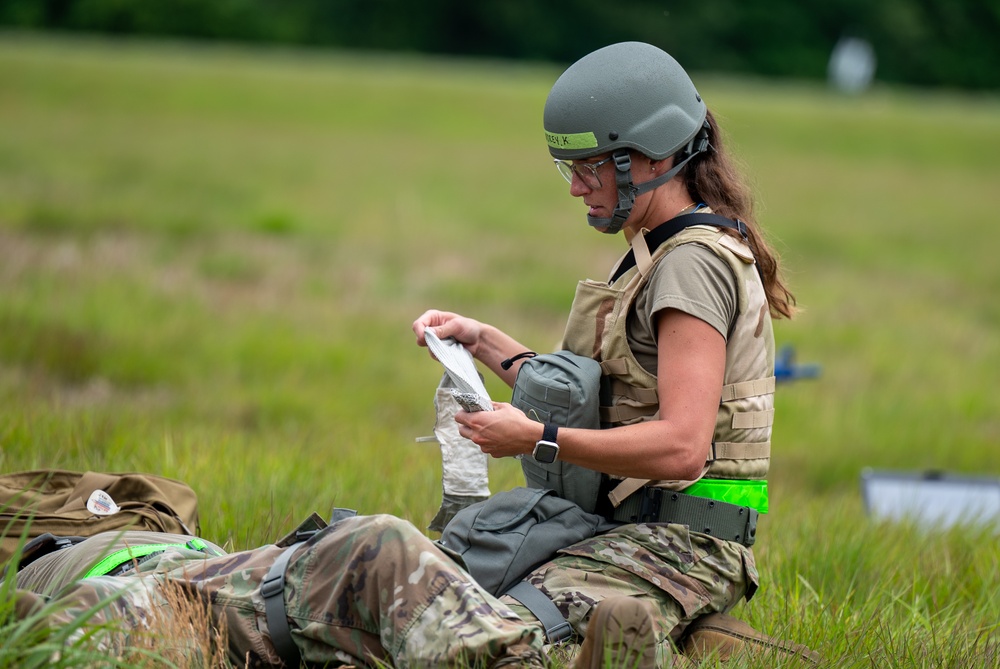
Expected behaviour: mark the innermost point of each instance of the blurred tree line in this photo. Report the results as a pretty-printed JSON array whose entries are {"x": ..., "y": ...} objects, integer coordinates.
[{"x": 950, "y": 43}]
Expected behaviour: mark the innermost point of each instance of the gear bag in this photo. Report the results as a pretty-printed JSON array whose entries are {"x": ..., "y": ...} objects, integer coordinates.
[
  {"x": 564, "y": 389},
  {"x": 501, "y": 540},
  {"x": 82, "y": 504}
]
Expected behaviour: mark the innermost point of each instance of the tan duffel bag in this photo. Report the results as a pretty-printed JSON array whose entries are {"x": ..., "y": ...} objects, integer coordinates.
[{"x": 82, "y": 504}]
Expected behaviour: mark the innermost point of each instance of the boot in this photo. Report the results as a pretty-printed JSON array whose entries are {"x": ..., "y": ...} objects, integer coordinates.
[
  {"x": 722, "y": 636},
  {"x": 620, "y": 636}
]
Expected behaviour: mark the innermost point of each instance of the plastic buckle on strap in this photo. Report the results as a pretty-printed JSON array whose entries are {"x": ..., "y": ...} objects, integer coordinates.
[
  {"x": 742, "y": 228},
  {"x": 305, "y": 535},
  {"x": 649, "y": 505},
  {"x": 272, "y": 585},
  {"x": 559, "y": 633}
]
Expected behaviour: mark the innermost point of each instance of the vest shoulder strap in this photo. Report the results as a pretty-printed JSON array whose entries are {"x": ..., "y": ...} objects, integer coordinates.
[{"x": 665, "y": 231}]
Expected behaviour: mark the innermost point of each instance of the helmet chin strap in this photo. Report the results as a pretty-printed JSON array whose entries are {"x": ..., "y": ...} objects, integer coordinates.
[{"x": 628, "y": 191}]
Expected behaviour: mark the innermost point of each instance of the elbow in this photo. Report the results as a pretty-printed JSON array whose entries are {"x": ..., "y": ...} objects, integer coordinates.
[
  {"x": 692, "y": 470},
  {"x": 685, "y": 464}
]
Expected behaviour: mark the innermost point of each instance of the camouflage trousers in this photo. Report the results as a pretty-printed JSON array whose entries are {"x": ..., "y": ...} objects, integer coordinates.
[
  {"x": 374, "y": 588},
  {"x": 681, "y": 575},
  {"x": 366, "y": 589}
]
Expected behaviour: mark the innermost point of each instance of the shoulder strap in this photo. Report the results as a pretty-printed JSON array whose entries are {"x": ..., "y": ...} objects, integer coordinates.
[{"x": 665, "y": 231}]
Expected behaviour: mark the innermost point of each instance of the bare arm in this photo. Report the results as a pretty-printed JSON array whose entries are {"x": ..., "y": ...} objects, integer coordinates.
[{"x": 690, "y": 370}]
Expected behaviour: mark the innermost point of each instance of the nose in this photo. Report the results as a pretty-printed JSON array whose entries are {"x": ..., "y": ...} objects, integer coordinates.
[{"x": 577, "y": 187}]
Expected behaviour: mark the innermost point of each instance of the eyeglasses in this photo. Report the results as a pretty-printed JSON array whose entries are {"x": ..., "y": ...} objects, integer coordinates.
[{"x": 586, "y": 171}]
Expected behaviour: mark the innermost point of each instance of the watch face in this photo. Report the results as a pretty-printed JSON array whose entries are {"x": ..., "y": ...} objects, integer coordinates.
[{"x": 546, "y": 452}]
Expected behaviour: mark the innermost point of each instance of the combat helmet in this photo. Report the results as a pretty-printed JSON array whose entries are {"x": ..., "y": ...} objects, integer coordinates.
[{"x": 625, "y": 96}]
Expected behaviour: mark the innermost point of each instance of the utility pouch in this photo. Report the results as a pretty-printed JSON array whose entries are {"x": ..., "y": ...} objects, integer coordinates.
[
  {"x": 563, "y": 389},
  {"x": 505, "y": 537}
]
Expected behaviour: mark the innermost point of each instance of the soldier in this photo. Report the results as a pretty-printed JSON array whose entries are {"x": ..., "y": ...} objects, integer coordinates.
[{"x": 682, "y": 331}]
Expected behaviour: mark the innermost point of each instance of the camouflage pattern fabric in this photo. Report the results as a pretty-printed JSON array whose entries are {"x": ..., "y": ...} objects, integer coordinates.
[
  {"x": 375, "y": 589},
  {"x": 364, "y": 589},
  {"x": 682, "y": 575}
]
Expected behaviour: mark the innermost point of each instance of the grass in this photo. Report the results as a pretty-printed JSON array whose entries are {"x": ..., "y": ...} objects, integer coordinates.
[{"x": 210, "y": 258}]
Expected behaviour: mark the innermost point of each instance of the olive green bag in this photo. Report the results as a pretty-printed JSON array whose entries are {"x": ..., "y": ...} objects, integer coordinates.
[{"x": 82, "y": 504}]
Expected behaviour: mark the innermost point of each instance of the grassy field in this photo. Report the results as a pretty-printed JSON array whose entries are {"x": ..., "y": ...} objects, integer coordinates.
[{"x": 210, "y": 258}]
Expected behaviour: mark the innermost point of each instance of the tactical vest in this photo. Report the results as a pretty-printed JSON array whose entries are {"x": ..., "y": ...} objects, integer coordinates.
[{"x": 596, "y": 327}]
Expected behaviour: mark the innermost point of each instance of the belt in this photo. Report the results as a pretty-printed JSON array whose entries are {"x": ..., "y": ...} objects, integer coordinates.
[{"x": 729, "y": 522}]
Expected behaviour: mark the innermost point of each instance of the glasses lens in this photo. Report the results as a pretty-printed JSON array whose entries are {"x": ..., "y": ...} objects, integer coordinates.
[
  {"x": 566, "y": 170},
  {"x": 586, "y": 171}
]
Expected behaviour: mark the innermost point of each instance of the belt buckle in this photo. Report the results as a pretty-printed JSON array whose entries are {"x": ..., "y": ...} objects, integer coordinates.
[
  {"x": 649, "y": 505},
  {"x": 750, "y": 529}
]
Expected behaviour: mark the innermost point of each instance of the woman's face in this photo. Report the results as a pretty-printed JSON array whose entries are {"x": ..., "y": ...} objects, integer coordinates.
[{"x": 602, "y": 199}]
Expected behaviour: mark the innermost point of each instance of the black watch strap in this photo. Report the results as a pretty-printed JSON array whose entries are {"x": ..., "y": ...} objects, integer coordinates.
[{"x": 549, "y": 432}]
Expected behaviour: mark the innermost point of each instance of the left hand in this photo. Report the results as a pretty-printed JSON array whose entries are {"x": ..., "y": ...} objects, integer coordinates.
[{"x": 501, "y": 433}]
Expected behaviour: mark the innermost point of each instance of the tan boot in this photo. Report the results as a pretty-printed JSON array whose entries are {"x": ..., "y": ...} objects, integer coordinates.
[
  {"x": 619, "y": 636},
  {"x": 722, "y": 636}
]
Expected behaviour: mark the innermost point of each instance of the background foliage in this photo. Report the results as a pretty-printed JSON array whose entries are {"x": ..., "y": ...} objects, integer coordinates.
[
  {"x": 922, "y": 42},
  {"x": 210, "y": 258}
]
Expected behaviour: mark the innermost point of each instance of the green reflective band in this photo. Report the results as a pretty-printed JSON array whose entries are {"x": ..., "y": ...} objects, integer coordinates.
[
  {"x": 741, "y": 493},
  {"x": 120, "y": 557},
  {"x": 576, "y": 140}
]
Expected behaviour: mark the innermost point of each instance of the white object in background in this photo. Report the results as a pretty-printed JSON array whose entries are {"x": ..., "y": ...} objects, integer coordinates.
[
  {"x": 932, "y": 499},
  {"x": 852, "y": 65}
]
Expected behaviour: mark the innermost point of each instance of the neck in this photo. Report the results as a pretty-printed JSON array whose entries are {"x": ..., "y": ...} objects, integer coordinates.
[{"x": 659, "y": 214}]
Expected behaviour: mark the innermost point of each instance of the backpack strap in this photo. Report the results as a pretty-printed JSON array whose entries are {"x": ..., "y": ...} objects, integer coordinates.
[
  {"x": 557, "y": 629},
  {"x": 272, "y": 589}
]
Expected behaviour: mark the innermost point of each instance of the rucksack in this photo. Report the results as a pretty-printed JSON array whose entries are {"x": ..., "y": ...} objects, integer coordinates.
[{"x": 82, "y": 504}]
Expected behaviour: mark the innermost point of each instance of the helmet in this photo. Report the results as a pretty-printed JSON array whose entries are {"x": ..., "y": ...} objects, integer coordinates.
[{"x": 625, "y": 96}]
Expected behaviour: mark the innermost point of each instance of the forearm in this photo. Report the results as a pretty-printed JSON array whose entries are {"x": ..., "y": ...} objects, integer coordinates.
[
  {"x": 653, "y": 450},
  {"x": 495, "y": 346}
]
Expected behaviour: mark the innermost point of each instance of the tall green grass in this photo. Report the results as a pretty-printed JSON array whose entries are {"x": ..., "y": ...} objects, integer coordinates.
[{"x": 210, "y": 258}]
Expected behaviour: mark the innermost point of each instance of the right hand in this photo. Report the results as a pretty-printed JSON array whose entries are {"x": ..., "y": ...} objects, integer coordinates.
[{"x": 465, "y": 331}]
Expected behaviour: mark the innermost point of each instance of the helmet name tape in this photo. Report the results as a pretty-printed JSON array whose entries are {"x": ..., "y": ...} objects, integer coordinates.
[{"x": 576, "y": 140}]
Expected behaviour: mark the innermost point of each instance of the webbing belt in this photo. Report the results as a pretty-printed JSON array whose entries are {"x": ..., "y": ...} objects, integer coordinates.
[
  {"x": 272, "y": 589},
  {"x": 543, "y": 608},
  {"x": 708, "y": 516}
]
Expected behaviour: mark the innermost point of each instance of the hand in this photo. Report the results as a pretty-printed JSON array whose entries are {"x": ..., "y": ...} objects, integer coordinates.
[
  {"x": 501, "y": 433},
  {"x": 445, "y": 324}
]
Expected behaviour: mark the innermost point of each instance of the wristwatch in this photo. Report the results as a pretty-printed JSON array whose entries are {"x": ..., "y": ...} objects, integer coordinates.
[{"x": 546, "y": 448}]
